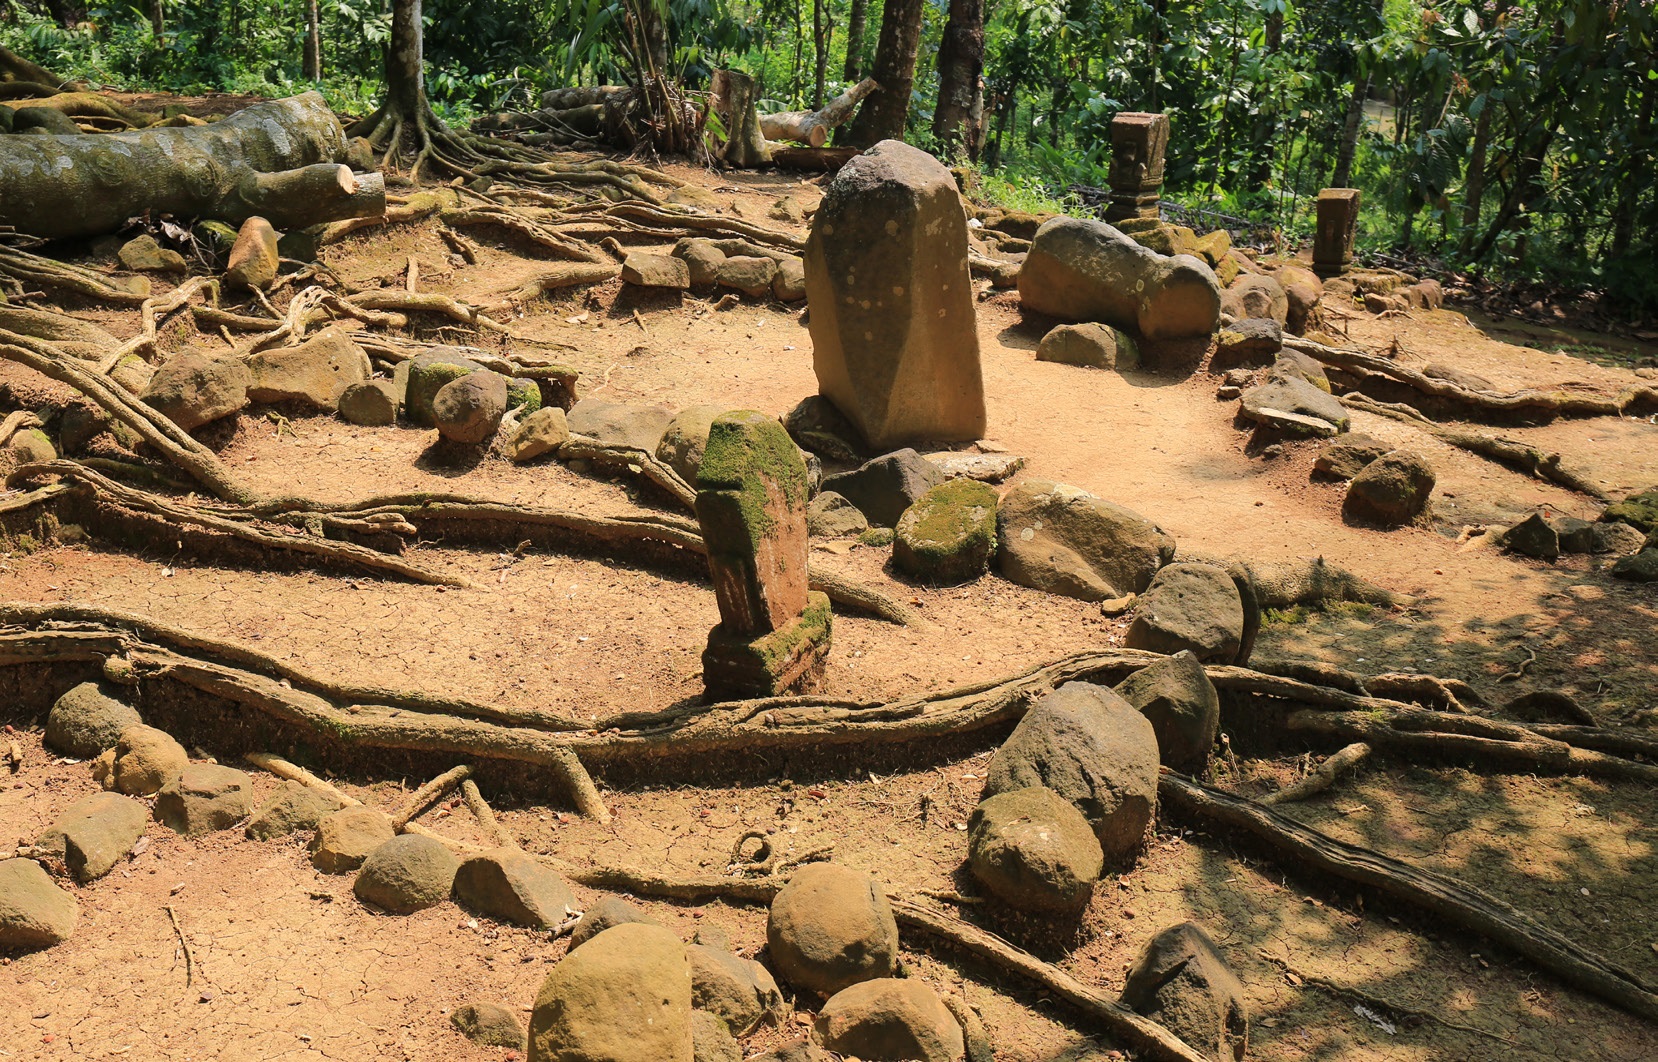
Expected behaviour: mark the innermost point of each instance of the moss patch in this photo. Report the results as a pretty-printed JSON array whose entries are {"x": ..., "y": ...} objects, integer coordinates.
[
  {"x": 746, "y": 452},
  {"x": 1638, "y": 510},
  {"x": 949, "y": 535}
]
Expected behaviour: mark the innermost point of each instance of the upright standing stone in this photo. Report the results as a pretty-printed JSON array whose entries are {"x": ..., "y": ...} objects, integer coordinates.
[
  {"x": 1338, "y": 219},
  {"x": 894, "y": 340},
  {"x": 1138, "y": 144},
  {"x": 751, "y": 503}
]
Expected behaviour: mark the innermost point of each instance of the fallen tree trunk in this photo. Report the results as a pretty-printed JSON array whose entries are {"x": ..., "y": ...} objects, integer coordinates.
[
  {"x": 813, "y": 160},
  {"x": 63, "y": 186},
  {"x": 1447, "y": 897},
  {"x": 812, "y": 127}
]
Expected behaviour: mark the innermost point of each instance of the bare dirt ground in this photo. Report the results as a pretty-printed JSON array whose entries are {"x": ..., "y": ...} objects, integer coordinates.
[{"x": 287, "y": 965}]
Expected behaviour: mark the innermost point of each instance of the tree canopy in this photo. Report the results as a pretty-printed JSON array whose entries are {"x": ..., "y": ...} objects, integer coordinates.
[{"x": 1511, "y": 136}]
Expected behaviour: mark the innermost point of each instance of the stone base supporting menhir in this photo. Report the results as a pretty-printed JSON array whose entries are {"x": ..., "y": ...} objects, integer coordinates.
[{"x": 787, "y": 660}]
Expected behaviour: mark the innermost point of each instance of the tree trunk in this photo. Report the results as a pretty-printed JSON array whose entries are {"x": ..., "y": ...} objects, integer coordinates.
[
  {"x": 158, "y": 21},
  {"x": 820, "y": 50},
  {"x": 855, "y": 39},
  {"x": 279, "y": 160},
  {"x": 654, "y": 30},
  {"x": 1473, "y": 189},
  {"x": 1350, "y": 135},
  {"x": 406, "y": 62},
  {"x": 882, "y": 118},
  {"x": 734, "y": 93},
  {"x": 1639, "y": 177},
  {"x": 960, "y": 91},
  {"x": 313, "y": 42}
]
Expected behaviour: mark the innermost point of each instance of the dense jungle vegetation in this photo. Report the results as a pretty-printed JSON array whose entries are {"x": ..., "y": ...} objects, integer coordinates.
[{"x": 1514, "y": 137}]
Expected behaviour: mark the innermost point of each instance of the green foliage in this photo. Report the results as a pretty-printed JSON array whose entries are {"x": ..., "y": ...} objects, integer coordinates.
[{"x": 1516, "y": 136}]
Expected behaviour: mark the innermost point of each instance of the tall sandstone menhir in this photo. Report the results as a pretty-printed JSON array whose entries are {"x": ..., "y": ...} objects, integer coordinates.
[{"x": 894, "y": 338}]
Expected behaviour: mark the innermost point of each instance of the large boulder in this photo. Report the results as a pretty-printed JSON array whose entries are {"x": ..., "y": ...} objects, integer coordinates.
[
  {"x": 1033, "y": 849},
  {"x": 146, "y": 759},
  {"x": 830, "y": 927},
  {"x": 646, "y": 270},
  {"x": 34, "y": 912},
  {"x": 1638, "y": 510},
  {"x": 88, "y": 719},
  {"x": 831, "y": 516},
  {"x": 204, "y": 798},
  {"x": 1089, "y": 344},
  {"x": 315, "y": 372},
  {"x": 509, "y": 886},
  {"x": 1057, "y": 538},
  {"x": 625, "y": 996},
  {"x": 1182, "y": 982},
  {"x": 1347, "y": 456},
  {"x": 371, "y": 404},
  {"x": 91, "y": 836},
  {"x": 818, "y": 427},
  {"x": 1256, "y": 295},
  {"x": 1193, "y": 607},
  {"x": 1249, "y": 341},
  {"x": 469, "y": 410},
  {"x": 427, "y": 374},
  {"x": 1640, "y": 568},
  {"x": 1175, "y": 694},
  {"x": 617, "y": 424},
  {"x": 685, "y": 439},
  {"x": 1391, "y": 491},
  {"x": 489, "y": 1024},
  {"x": 1082, "y": 270},
  {"x": 1302, "y": 291},
  {"x": 192, "y": 390},
  {"x": 607, "y": 913},
  {"x": 344, "y": 839},
  {"x": 406, "y": 874},
  {"x": 882, "y": 488},
  {"x": 891, "y": 1020},
  {"x": 292, "y": 808},
  {"x": 711, "y": 1039},
  {"x": 949, "y": 535},
  {"x": 538, "y": 434},
  {"x": 1284, "y": 392},
  {"x": 1091, "y": 747},
  {"x": 738, "y": 990},
  {"x": 894, "y": 338}
]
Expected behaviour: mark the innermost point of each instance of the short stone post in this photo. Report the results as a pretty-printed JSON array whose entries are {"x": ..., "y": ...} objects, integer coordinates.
[
  {"x": 894, "y": 339},
  {"x": 1338, "y": 220},
  {"x": 1139, "y": 143},
  {"x": 773, "y": 633}
]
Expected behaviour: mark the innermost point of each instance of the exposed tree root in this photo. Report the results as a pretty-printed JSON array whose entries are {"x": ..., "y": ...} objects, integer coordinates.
[
  {"x": 1446, "y": 897},
  {"x": 422, "y": 799},
  {"x": 156, "y": 430},
  {"x": 1505, "y": 452},
  {"x": 346, "y": 555},
  {"x": 1531, "y": 405},
  {"x": 1440, "y": 734},
  {"x": 33, "y": 269}
]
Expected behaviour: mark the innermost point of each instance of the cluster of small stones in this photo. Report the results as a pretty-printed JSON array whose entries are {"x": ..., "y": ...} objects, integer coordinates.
[{"x": 1075, "y": 781}]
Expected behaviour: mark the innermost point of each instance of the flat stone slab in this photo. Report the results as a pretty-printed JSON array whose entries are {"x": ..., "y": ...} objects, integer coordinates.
[{"x": 986, "y": 468}]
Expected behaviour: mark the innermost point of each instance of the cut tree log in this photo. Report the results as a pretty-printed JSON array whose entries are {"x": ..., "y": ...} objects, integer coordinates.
[
  {"x": 734, "y": 94},
  {"x": 813, "y": 160},
  {"x": 812, "y": 127},
  {"x": 64, "y": 186}
]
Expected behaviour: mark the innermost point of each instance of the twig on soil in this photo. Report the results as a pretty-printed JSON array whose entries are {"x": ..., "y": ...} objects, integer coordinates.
[
  {"x": 280, "y": 767},
  {"x": 184, "y": 945},
  {"x": 423, "y": 798},
  {"x": 1386, "y": 1006},
  {"x": 1520, "y": 672}
]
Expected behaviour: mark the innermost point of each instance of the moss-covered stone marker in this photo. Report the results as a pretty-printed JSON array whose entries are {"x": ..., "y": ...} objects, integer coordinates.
[{"x": 751, "y": 504}]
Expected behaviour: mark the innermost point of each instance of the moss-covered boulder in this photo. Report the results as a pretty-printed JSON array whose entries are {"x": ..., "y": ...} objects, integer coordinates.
[
  {"x": 430, "y": 373},
  {"x": 1638, "y": 510},
  {"x": 949, "y": 535}
]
